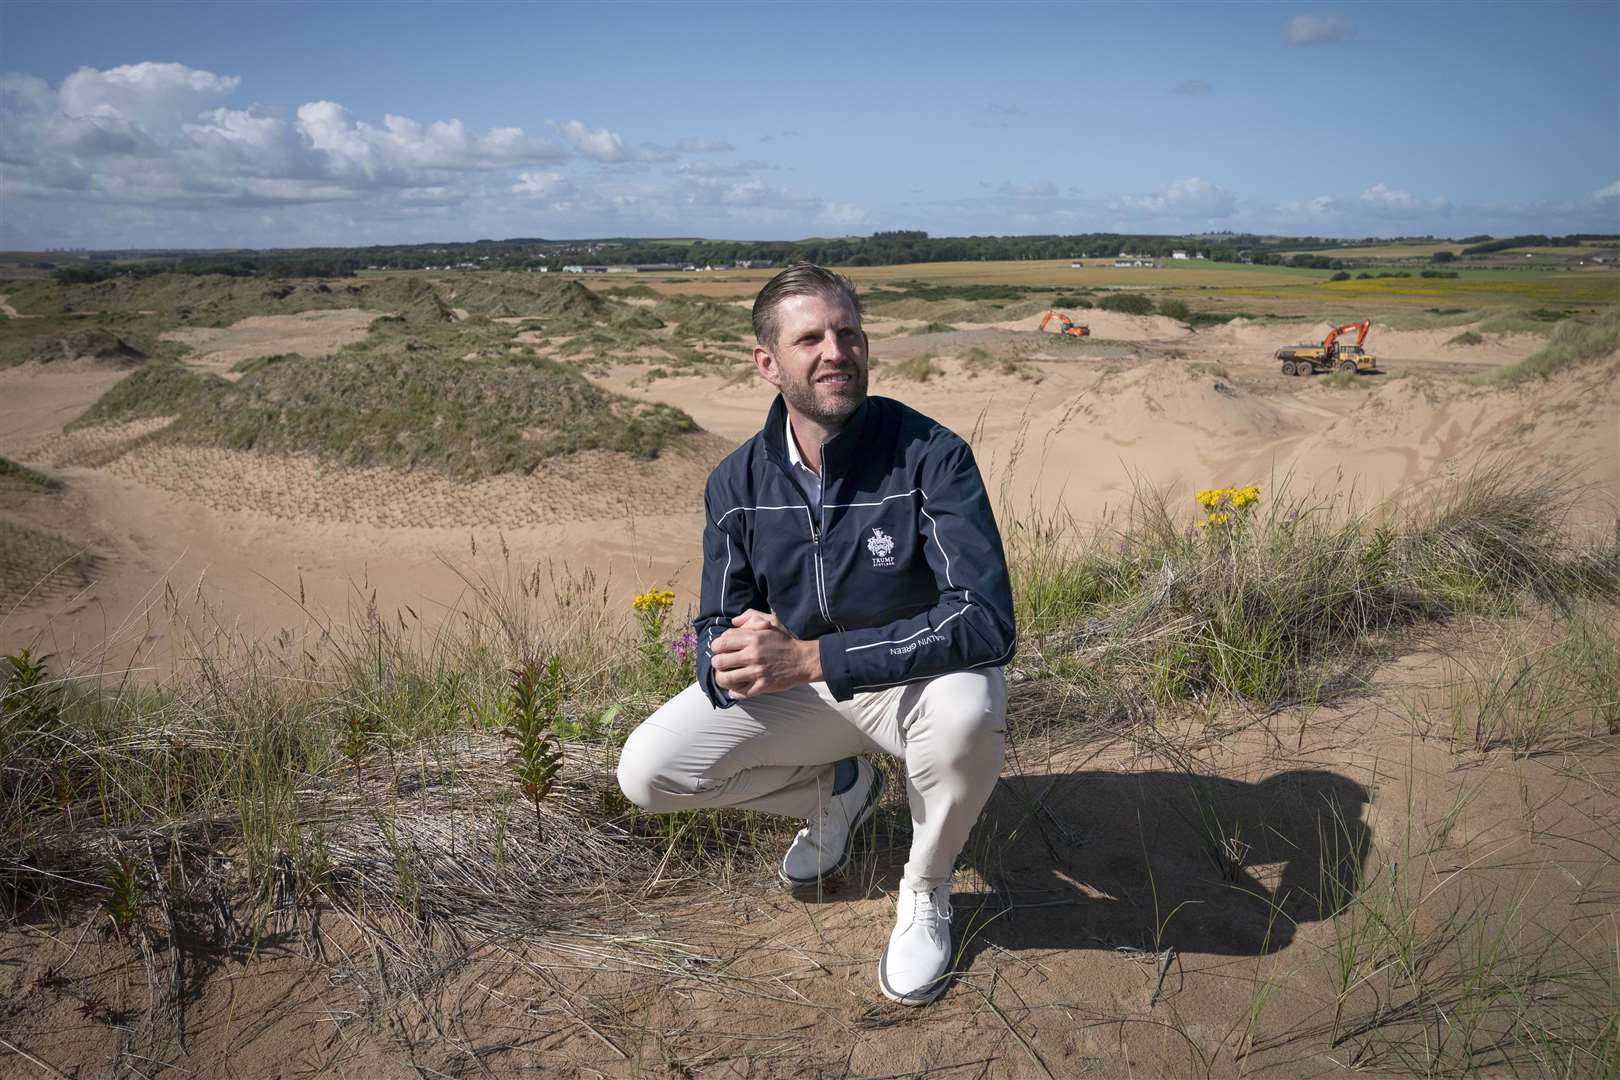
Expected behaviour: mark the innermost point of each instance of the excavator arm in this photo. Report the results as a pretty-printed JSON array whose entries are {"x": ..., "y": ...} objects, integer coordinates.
[{"x": 1361, "y": 329}]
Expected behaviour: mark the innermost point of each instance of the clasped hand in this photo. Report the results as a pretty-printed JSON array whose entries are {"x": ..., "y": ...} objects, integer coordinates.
[{"x": 759, "y": 655}]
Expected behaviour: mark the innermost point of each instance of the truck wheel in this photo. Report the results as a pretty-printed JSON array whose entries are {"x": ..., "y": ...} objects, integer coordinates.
[
  {"x": 1288, "y": 367},
  {"x": 1348, "y": 365}
]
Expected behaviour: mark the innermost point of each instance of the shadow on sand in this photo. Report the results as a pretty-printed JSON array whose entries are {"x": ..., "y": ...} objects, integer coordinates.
[{"x": 1147, "y": 860}]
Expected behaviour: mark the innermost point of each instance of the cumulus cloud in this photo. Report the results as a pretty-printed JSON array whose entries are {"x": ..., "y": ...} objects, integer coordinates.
[
  {"x": 541, "y": 185},
  {"x": 598, "y": 144},
  {"x": 1193, "y": 197},
  {"x": 1384, "y": 201},
  {"x": 1606, "y": 194},
  {"x": 1316, "y": 30},
  {"x": 162, "y": 154},
  {"x": 1193, "y": 86}
]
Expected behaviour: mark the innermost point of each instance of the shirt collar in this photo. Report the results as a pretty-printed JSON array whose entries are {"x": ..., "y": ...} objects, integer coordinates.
[{"x": 794, "y": 457}]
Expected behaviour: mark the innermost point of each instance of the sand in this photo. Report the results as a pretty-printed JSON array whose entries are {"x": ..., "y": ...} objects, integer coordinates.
[
  {"x": 311, "y": 333},
  {"x": 1144, "y": 400},
  {"x": 1057, "y": 914}
]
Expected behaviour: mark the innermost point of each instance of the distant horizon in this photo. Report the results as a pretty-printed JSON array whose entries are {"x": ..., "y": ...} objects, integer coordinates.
[
  {"x": 1347, "y": 241},
  {"x": 205, "y": 126}
]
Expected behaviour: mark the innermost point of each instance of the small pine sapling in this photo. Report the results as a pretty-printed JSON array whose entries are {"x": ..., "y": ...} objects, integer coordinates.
[{"x": 536, "y": 703}]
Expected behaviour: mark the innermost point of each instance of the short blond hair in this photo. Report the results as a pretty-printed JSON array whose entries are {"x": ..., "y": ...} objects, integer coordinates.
[{"x": 800, "y": 279}]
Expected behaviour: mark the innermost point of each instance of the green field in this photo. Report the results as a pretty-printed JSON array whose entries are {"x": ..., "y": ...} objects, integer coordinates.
[{"x": 1471, "y": 289}]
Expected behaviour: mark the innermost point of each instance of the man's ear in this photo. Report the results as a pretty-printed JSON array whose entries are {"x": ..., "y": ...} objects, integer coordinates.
[{"x": 765, "y": 361}]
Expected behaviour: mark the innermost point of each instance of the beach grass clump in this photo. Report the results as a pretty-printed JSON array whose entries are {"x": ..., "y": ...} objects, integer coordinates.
[
  {"x": 1281, "y": 598},
  {"x": 920, "y": 368},
  {"x": 1572, "y": 343},
  {"x": 371, "y": 408},
  {"x": 980, "y": 361},
  {"x": 1536, "y": 688},
  {"x": 1467, "y": 337},
  {"x": 704, "y": 320},
  {"x": 13, "y": 472}
]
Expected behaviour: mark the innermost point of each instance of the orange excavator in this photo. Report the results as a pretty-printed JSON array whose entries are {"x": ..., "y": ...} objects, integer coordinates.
[
  {"x": 1328, "y": 343},
  {"x": 1309, "y": 359},
  {"x": 1066, "y": 326}
]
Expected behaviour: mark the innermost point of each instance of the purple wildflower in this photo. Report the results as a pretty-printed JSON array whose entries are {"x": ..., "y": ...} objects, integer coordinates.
[{"x": 684, "y": 647}]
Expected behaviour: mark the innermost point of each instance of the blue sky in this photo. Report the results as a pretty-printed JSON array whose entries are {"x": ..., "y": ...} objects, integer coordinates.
[{"x": 290, "y": 124}]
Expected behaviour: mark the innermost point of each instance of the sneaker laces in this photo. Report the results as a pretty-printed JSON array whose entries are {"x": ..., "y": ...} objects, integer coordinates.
[{"x": 927, "y": 913}]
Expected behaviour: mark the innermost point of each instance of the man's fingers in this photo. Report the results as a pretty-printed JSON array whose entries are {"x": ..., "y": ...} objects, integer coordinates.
[{"x": 753, "y": 617}]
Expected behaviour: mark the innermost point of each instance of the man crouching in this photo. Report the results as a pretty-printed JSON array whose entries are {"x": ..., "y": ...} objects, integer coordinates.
[{"x": 855, "y": 601}]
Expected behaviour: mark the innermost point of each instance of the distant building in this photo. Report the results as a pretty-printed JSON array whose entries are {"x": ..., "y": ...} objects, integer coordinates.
[
  {"x": 755, "y": 264},
  {"x": 1135, "y": 261},
  {"x": 1178, "y": 255}
]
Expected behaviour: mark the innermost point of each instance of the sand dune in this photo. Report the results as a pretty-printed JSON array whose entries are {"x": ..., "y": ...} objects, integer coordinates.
[
  {"x": 1083, "y": 427},
  {"x": 312, "y": 333}
]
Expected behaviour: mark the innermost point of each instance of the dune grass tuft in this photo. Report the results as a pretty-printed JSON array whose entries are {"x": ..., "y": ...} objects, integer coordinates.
[{"x": 1572, "y": 343}]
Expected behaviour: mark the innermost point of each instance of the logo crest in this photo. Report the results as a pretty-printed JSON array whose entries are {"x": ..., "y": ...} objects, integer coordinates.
[{"x": 881, "y": 545}]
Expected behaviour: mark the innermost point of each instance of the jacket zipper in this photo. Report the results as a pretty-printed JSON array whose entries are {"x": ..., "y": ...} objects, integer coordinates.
[{"x": 815, "y": 539}]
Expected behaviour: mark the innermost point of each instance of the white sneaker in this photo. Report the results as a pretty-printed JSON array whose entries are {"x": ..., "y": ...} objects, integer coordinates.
[
  {"x": 918, "y": 957},
  {"x": 822, "y": 847}
]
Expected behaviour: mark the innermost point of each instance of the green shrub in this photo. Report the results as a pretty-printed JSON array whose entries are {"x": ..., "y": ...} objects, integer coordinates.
[
  {"x": 1127, "y": 303},
  {"x": 1175, "y": 309},
  {"x": 1342, "y": 275}
]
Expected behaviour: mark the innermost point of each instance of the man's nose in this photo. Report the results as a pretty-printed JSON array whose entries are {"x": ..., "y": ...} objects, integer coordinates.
[{"x": 833, "y": 346}]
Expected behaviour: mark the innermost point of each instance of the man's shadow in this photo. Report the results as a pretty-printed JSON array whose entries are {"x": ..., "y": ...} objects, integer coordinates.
[{"x": 1151, "y": 860}]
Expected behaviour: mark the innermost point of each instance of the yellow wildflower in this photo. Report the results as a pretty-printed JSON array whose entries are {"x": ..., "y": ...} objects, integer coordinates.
[{"x": 654, "y": 600}]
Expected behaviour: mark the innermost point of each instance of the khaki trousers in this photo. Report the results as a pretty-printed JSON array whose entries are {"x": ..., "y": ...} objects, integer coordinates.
[{"x": 776, "y": 753}]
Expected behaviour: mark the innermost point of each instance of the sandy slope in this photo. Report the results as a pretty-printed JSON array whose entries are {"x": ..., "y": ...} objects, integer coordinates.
[
  {"x": 311, "y": 333},
  {"x": 1082, "y": 426},
  {"x": 1059, "y": 918},
  {"x": 1088, "y": 864}
]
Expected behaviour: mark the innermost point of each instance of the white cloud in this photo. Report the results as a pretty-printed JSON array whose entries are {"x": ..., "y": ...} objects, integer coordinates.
[
  {"x": 1316, "y": 29},
  {"x": 541, "y": 184},
  {"x": 599, "y": 144},
  {"x": 1193, "y": 86},
  {"x": 1193, "y": 197},
  {"x": 155, "y": 96},
  {"x": 1607, "y": 193},
  {"x": 163, "y": 154},
  {"x": 1383, "y": 201}
]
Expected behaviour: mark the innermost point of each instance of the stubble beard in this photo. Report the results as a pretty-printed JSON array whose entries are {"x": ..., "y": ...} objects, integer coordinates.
[{"x": 832, "y": 411}]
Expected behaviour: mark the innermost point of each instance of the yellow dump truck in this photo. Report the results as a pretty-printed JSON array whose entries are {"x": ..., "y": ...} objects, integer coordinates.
[{"x": 1329, "y": 355}]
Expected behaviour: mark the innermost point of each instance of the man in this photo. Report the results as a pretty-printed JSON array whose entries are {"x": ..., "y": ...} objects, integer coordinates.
[{"x": 855, "y": 600}]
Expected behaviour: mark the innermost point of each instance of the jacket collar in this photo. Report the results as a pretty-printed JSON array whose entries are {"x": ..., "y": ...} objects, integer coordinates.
[{"x": 838, "y": 446}]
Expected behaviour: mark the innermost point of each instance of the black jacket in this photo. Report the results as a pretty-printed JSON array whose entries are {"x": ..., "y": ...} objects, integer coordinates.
[{"x": 901, "y": 577}]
